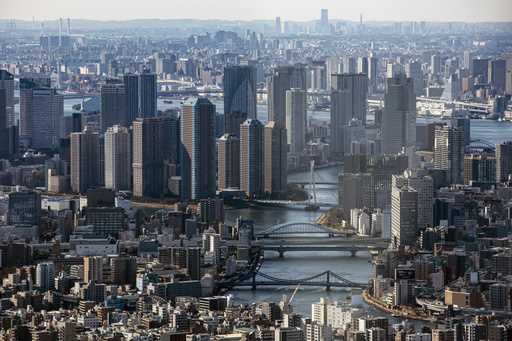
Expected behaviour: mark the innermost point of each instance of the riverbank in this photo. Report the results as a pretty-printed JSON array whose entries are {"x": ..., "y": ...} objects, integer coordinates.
[{"x": 405, "y": 312}]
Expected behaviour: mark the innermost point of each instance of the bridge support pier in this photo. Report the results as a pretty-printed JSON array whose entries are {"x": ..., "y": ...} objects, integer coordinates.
[
  {"x": 328, "y": 286},
  {"x": 353, "y": 253},
  {"x": 281, "y": 253}
]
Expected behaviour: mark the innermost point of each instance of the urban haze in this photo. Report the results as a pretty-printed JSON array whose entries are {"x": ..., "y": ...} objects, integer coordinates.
[{"x": 267, "y": 171}]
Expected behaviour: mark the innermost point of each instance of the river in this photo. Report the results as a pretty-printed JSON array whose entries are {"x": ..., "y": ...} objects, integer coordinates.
[{"x": 301, "y": 264}]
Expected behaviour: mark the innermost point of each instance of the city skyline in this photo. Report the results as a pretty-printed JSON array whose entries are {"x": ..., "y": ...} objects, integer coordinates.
[{"x": 371, "y": 10}]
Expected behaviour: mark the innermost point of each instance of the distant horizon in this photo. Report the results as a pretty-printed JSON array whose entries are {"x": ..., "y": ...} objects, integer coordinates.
[
  {"x": 56, "y": 19},
  {"x": 463, "y": 11}
]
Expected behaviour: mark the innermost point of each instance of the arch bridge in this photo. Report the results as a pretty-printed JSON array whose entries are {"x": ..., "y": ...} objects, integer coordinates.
[{"x": 291, "y": 229}]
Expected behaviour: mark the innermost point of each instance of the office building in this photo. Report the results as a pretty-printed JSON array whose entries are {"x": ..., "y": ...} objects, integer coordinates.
[
  {"x": 423, "y": 184},
  {"x": 341, "y": 108},
  {"x": 480, "y": 70},
  {"x": 3, "y": 109},
  {"x": 106, "y": 221},
  {"x": 283, "y": 78},
  {"x": 443, "y": 334},
  {"x": 479, "y": 168},
  {"x": 148, "y": 163},
  {"x": 449, "y": 153},
  {"x": 41, "y": 112},
  {"x": 278, "y": 26},
  {"x": 239, "y": 96},
  {"x": 435, "y": 64},
  {"x": 131, "y": 89},
  {"x": 274, "y": 164},
  {"x": 496, "y": 74},
  {"x": 147, "y": 94},
  {"x": 296, "y": 119},
  {"x": 399, "y": 116},
  {"x": 93, "y": 269},
  {"x": 251, "y": 158},
  {"x": 404, "y": 216},
  {"x": 349, "y": 65},
  {"x": 123, "y": 270},
  {"x": 85, "y": 161},
  {"x": 373, "y": 65},
  {"x": 362, "y": 65},
  {"x": 7, "y": 84},
  {"x": 113, "y": 104},
  {"x": 118, "y": 158},
  {"x": 198, "y": 150},
  {"x": 413, "y": 71},
  {"x": 357, "y": 191},
  {"x": 228, "y": 162},
  {"x": 24, "y": 208},
  {"x": 357, "y": 85},
  {"x": 9, "y": 142},
  {"x": 503, "y": 161},
  {"x": 45, "y": 276}
]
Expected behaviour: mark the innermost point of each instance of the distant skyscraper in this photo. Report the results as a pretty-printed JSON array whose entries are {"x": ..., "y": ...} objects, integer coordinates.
[
  {"x": 296, "y": 119},
  {"x": 118, "y": 158},
  {"x": 324, "y": 17},
  {"x": 228, "y": 162},
  {"x": 45, "y": 276},
  {"x": 7, "y": 83},
  {"x": 148, "y": 163},
  {"x": 147, "y": 94},
  {"x": 41, "y": 112},
  {"x": 413, "y": 70},
  {"x": 362, "y": 65},
  {"x": 435, "y": 64},
  {"x": 251, "y": 158},
  {"x": 373, "y": 64},
  {"x": 449, "y": 153},
  {"x": 278, "y": 27},
  {"x": 282, "y": 79},
  {"x": 497, "y": 73},
  {"x": 3, "y": 109},
  {"x": 341, "y": 110},
  {"x": 85, "y": 162},
  {"x": 468, "y": 60},
  {"x": 404, "y": 216},
  {"x": 480, "y": 70},
  {"x": 399, "y": 115},
  {"x": 113, "y": 105},
  {"x": 274, "y": 151},
  {"x": 198, "y": 152},
  {"x": 239, "y": 96},
  {"x": 349, "y": 64},
  {"x": 503, "y": 161},
  {"x": 357, "y": 84},
  {"x": 131, "y": 88}
]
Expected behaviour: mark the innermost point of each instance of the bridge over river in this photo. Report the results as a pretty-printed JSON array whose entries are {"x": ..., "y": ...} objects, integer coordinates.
[{"x": 309, "y": 236}]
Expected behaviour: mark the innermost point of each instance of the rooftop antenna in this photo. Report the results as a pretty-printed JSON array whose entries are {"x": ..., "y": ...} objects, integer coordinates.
[{"x": 69, "y": 27}]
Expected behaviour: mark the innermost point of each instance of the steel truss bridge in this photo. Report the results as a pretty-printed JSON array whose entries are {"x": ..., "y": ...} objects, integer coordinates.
[
  {"x": 312, "y": 237},
  {"x": 326, "y": 279}
]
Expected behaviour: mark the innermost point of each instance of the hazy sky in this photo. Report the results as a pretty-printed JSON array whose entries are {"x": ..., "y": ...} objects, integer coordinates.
[{"x": 428, "y": 10}]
